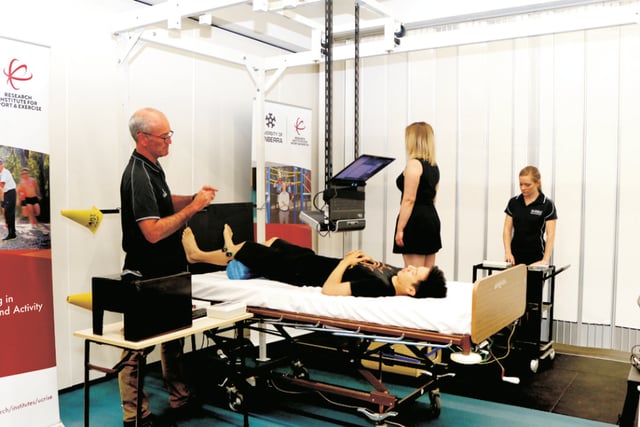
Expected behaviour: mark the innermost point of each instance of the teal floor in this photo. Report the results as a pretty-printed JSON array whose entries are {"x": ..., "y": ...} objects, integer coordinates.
[
  {"x": 308, "y": 410},
  {"x": 535, "y": 402}
]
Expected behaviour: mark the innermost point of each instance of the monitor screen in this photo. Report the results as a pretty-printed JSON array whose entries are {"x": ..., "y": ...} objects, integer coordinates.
[{"x": 362, "y": 168}]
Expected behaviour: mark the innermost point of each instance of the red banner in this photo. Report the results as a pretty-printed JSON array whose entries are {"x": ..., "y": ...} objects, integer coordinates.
[{"x": 28, "y": 379}]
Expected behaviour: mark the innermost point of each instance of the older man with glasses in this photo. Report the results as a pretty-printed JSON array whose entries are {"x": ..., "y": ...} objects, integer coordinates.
[{"x": 152, "y": 223}]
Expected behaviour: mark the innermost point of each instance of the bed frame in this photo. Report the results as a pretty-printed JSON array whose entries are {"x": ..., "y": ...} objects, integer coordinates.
[{"x": 498, "y": 300}]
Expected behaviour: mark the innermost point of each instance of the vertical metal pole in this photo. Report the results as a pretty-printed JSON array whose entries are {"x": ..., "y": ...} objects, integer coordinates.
[
  {"x": 258, "y": 143},
  {"x": 356, "y": 83},
  {"x": 262, "y": 343},
  {"x": 328, "y": 93}
]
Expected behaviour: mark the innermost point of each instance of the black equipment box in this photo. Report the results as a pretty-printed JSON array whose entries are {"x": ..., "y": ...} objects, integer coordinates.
[
  {"x": 344, "y": 196},
  {"x": 345, "y": 202},
  {"x": 150, "y": 306}
]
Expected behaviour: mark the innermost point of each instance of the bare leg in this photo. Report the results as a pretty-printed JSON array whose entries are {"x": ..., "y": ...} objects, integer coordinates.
[
  {"x": 227, "y": 234},
  {"x": 217, "y": 257},
  {"x": 32, "y": 215},
  {"x": 419, "y": 260},
  {"x": 270, "y": 241}
]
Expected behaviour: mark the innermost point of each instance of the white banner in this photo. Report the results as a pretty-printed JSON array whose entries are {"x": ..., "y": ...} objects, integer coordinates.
[
  {"x": 287, "y": 145},
  {"x": 28, "y": 383},
  {"x": 287, "y": 135}
]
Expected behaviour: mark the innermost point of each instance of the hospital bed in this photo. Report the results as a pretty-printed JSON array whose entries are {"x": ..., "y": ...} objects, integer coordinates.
[{"x": 469, "y": 315}]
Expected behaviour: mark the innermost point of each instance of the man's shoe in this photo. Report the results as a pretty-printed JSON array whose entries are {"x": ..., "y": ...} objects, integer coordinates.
[
  {"x": 148, "y": 421},
  {"x": 151, "y": 421},
  {"x": 191, "y": 409},
  {"x": 10, "y": 237}
]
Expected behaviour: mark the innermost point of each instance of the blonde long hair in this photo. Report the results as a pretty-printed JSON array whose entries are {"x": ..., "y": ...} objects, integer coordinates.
[{"x": 420, "y": 142}]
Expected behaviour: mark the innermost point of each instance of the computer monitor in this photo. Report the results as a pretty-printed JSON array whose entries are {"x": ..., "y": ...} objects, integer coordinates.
[{"x": 360, "y": 170}]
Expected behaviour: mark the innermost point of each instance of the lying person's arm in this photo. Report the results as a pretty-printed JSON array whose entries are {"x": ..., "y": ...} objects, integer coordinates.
[{"x": 334, "y": 284}]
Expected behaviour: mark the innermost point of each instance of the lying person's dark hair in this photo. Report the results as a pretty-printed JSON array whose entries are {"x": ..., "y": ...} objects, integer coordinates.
[{"x": 435, "y": 285}]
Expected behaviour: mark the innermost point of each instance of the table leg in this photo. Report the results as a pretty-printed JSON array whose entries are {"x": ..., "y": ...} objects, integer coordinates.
[
  {"x": 87, "y": 346},
  {"x": 240, "y": 337},
  {"x": 141, "y": 360}
]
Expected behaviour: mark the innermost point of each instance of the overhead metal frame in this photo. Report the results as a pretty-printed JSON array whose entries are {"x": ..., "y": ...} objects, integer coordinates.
[{"x": 162, "y": 23}]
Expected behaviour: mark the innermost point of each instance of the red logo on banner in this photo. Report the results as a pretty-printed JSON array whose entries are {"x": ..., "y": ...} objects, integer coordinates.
[
  {"x": 299, "y": 125},
  {"x": 13, "y": 76}
]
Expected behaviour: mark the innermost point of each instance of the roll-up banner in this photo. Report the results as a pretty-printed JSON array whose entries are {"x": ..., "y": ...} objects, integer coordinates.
[
  {"x": 28, "y": 380},
  {"x": 287, "y": 154}
]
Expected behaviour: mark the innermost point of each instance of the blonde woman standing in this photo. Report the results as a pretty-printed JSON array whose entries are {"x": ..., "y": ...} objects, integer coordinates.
[
  {"x": 417, "y": 234},
  {"x": 530, "y": 222}
]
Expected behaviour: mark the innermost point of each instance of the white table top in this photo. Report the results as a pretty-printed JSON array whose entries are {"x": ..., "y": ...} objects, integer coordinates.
[{"x": 113, "y": 333}]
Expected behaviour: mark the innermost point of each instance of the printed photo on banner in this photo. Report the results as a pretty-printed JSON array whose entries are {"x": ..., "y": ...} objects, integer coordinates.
[
  {"x": 289, "y": 190},
  {"x": 24, "y": 199}
]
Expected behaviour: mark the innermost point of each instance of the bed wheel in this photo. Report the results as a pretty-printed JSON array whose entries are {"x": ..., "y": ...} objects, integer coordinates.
[
  {"x": 299, "y": 370},
  {"x": 236, "y": 399},
  {"x": 552, "y": 354},
  {"x": 534, "y": 365},
  {"x": 434, "y": 399}
]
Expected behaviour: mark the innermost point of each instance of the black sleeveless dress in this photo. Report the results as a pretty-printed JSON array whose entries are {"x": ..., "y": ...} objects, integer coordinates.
[{"x": 422, "y": 232}]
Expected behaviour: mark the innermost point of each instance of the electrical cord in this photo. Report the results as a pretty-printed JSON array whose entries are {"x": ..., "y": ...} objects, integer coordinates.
[{"x": 497, "y": 359}]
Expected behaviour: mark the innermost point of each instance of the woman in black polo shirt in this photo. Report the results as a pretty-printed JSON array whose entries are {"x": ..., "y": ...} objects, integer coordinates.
[{"x": 530, "y": 217}]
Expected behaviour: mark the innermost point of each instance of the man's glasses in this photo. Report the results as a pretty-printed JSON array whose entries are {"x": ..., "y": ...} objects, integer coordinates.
[{"x": 164, "y": 137}]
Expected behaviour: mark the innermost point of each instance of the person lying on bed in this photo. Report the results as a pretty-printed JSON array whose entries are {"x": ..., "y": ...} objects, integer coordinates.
[{"x": 356, "y": 274}]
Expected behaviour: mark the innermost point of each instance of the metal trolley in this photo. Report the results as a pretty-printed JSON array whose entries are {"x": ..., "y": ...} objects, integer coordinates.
[{"x": 529, "y": 335}]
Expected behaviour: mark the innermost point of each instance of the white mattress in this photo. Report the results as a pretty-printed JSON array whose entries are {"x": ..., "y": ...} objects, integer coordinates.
[{"x": 446, "y": 315}]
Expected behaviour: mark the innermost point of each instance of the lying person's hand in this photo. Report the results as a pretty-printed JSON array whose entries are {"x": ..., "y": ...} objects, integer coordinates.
[{"x": 355, "y": 257}]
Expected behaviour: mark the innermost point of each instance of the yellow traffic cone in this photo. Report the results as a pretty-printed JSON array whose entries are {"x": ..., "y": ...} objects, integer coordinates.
[
  {"x": 89, "y": 218},
  {"x": 81, "y": 300}
]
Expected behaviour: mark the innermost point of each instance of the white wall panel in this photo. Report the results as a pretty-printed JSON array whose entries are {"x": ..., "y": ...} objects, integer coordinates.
[
  {"x": 379, "y": 109},
  {"x": 473, "y": 76},
  {"x": 601, "y": 63},
  {"x": 421, "y": 88},
  {"x": 569, "y": 101},
  {"x": 544, "y": 106},
  {"x": 521, "y": 125},
  {"x": 500, "y": 173},
  {"x": 627, "y": 311},
  {"x": 544, "y": 59},
  {"x": 220, "y": 131},
  {"x": 447, "y": 98}
]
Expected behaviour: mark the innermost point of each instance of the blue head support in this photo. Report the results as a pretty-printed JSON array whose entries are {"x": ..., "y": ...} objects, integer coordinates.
[{"x": 238, "y": 271}]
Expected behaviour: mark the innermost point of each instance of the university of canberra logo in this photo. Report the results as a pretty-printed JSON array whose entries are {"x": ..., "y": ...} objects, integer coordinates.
[{"x": 17, "y": 72}]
